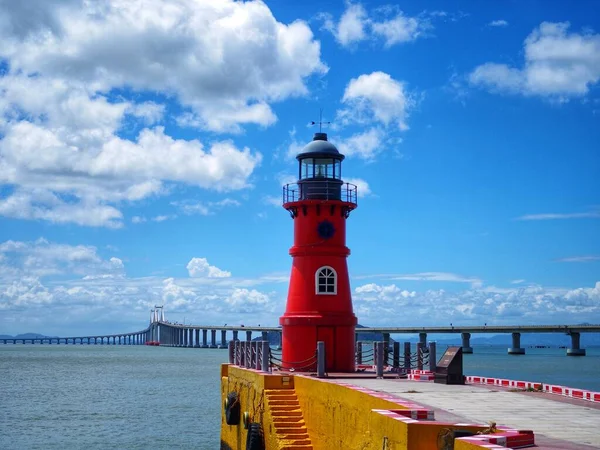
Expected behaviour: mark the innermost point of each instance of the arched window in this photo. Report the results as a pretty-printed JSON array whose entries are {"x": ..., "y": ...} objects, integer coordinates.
[{"x": 326, "y": 281}]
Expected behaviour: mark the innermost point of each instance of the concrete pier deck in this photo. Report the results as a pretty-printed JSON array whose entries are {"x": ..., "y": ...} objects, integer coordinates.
[{"x": 558, "y": 422}]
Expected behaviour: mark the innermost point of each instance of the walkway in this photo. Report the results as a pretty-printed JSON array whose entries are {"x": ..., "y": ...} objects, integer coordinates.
[{"x": 568, "y": 423}]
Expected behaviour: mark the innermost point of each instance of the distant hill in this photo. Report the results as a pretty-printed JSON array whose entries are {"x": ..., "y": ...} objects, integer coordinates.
[{"x": 24, "y": 336}]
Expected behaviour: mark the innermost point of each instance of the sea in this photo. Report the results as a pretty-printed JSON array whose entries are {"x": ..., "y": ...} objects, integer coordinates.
[{"x": 139, "y": 397}]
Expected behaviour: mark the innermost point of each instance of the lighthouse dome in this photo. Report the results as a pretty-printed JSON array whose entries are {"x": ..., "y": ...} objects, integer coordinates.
[{"x": 320, "y": 147}]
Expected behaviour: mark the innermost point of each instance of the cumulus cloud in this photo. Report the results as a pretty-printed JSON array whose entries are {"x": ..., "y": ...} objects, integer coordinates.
[
  {"x": 356, "y": 25},
  {"x": 558, "y": 64},
  {"x": 42, "y": 258},
  {"x": 365, "y": 145},
  {"x": 199, "y": 267},
  {"x": 225, "y": 58},
  {"x": 376, "y": 97},
  {"x": 61, "y": 151},
  {"x": 390, "y": 304}
]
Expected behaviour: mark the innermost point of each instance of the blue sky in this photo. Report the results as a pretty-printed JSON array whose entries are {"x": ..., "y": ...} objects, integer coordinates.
[{"x": 143, "y": 151}]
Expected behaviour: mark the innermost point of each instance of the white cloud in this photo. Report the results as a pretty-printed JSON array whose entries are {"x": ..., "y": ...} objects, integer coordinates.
[
  {"x": 392, "y": 305},
  {"x": 351, "y": 27},
  {"x": 355, "y": 25},
  {"x": 561, "y": 216},
  {"x": 587, "y": 258},
  {"x": 427, "y": 277},
  {"x": 519, "y": 281},
  {"x": 69, "y": 165},
  {"x": 223, "y": 60},
  {"x": 557, "y": 64},
  {"x": 150, "y": 112},
  {"x": 199, "y": 267},
  {"x": 498, "y": 23},
  {"x": 400, "y": 29},
  {"x": 61, "y": 153},
  {"x": 192, "y": 207},
  {"x": 42, "y": 258},
  {"x": 362, "y": 187},
  {"x": 376, "y": 97},
  {"x": 365, "y": 145}
]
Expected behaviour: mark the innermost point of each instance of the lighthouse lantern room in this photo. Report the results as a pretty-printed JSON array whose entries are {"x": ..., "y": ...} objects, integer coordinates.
[{"x": 319, "y": 303}]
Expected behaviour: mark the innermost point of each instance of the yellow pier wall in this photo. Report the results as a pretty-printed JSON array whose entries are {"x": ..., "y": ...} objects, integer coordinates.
[{"x": 336, "y": 416}]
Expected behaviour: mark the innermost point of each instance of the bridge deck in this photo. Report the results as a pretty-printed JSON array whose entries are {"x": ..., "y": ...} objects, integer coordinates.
[{"x": 558, "y": 422}]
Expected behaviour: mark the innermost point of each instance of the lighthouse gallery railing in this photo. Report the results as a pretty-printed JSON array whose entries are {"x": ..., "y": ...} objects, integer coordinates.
[{"x": 322, "y": 189}]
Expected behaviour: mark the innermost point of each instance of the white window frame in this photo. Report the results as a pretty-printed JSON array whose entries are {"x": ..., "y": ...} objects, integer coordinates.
[{"x": 335, "y": 280}]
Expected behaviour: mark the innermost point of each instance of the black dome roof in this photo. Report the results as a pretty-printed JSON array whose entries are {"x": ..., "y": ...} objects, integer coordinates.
[{"x": 320, "y": 146}]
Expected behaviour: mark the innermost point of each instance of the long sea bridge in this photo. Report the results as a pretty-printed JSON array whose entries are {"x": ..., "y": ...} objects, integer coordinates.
[{"x": 164, "y": 333}]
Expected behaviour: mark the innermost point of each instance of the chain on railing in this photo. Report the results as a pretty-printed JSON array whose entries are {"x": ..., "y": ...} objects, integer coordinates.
[{"x": 308, "y": 363}]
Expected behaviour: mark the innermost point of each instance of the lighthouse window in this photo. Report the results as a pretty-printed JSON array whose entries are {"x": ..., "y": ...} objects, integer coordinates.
[
  {"x": 326, "y": 281},
  {"x": 323, "y": 168},
  {"x": 307, "y": 168},
  {"x": 337, "y": 170}
]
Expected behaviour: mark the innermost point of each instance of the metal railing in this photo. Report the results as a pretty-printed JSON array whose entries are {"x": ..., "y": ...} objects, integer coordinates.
[{"x": 321, "y": 190}]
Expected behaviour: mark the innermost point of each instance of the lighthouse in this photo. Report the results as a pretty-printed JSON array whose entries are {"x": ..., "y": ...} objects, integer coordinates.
[{"x": 319, "y": 302}]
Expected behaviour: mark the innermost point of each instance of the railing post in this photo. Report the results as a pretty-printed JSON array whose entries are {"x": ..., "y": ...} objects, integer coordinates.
[
  {"x": 265, "y": 356},
  {"x": 257, "y": 360},
  {"x": 321, "y": 359},
  {"x": 407, "y": 364},
  {"x": 432, "y": 357},
  {"x": 386, "y": 348},
  {"x": 359, "y": 353},
  {"x": 379, "y": 361},
  {"x": 231, "y": 350},
  {"x": 420, "y": 356},
  {"x": 396, "y": 355}
]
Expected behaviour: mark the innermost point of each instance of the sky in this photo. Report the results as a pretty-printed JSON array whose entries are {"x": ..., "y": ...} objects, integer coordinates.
[{"x": 144, "y": 146}]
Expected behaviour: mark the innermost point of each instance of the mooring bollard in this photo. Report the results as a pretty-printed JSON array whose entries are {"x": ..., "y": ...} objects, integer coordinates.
[
  {"x": 321, "y": 359},
  {"x": 379, "y": 360}
]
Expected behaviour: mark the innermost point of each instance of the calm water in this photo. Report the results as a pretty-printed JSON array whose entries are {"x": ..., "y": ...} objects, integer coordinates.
[{"x": 117, "y": 397}]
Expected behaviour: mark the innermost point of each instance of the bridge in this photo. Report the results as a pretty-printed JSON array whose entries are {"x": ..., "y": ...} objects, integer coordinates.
[{"x": 164, "y": 333}]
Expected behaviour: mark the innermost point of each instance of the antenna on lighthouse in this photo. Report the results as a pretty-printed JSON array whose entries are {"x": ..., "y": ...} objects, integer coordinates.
[{"x": 320, "y": 122}]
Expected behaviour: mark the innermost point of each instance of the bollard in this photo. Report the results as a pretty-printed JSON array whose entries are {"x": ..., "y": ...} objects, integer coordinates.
[
  {"x": 359, "y": 353},
  {"x": 379, "y": 359},
  {"x": 321, "y": 359},
  {"x": 266, "y": 350},
  {"x": 396, "y": 355},
  {"x": 432, "y": 357}
]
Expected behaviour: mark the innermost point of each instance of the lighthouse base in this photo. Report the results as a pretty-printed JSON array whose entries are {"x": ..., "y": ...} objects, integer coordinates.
[{"x": 301, "y": 334}]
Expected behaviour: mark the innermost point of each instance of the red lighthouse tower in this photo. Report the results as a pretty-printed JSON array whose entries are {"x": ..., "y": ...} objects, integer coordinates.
[{"x": 319, "y": 303}]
